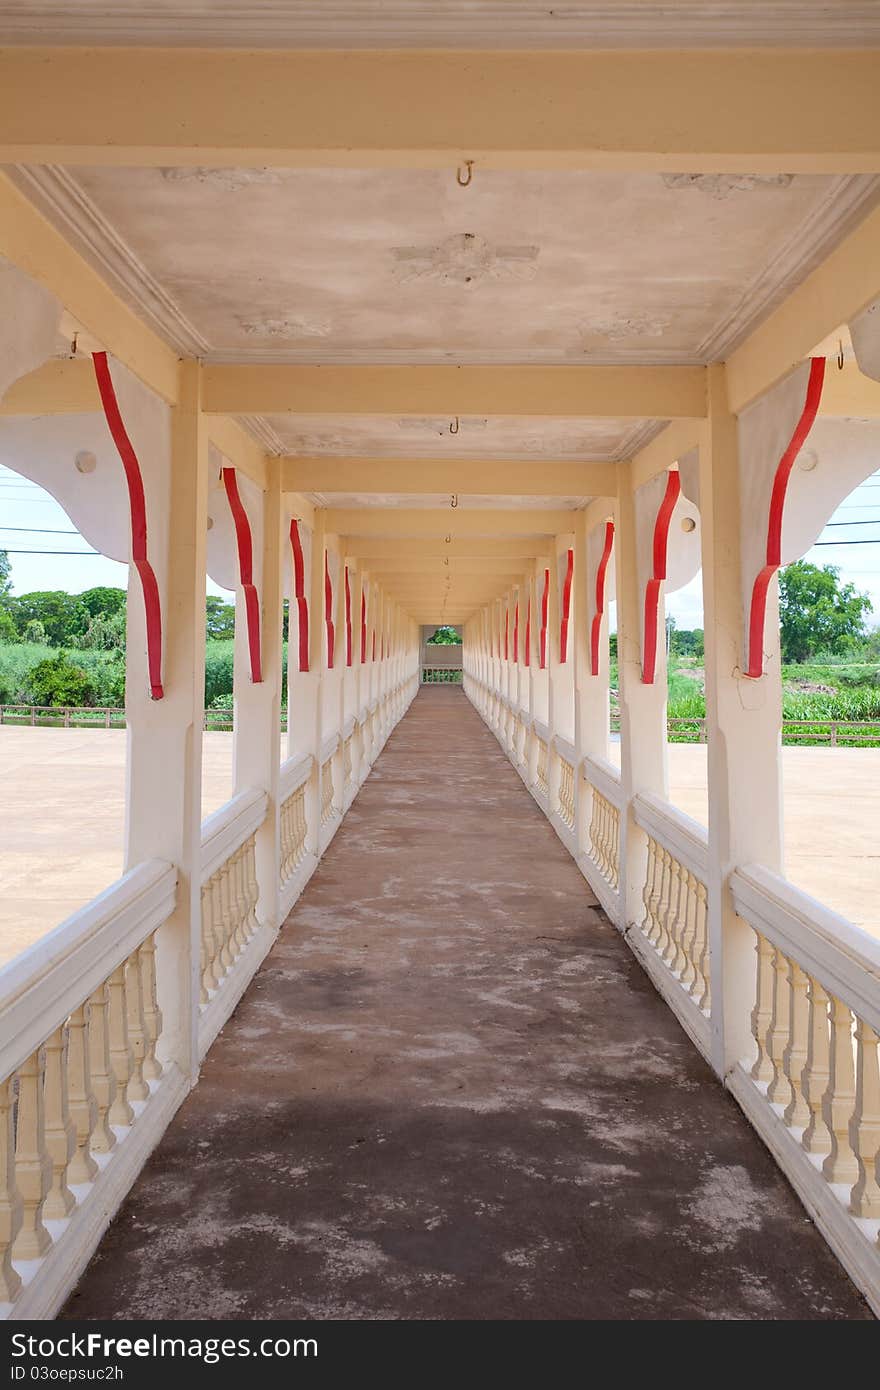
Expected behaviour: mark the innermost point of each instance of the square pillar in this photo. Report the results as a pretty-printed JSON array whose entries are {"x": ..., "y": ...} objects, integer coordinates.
[
  {"x": 257, "y": 718},
  {"x": 744, "y": 724},
  {"x": 164, "y": 764},
  {"x": 644, "y": 754}
]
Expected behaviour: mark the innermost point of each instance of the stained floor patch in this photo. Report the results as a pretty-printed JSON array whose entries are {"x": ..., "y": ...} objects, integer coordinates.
[{"x": 451, "y": 1092}]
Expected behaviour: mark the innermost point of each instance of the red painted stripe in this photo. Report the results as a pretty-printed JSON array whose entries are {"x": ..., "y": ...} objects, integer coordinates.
[
  {"x": 245, "y": 571},
  {"x": 347, "y": 619},
  {"x": 506, "y": 632},
  {"x": 774, "y": 521},
  {"x": 138, "y": 507},
  {"x": 328, "y": 613},
  {"x": 516, "y": 633},
  {"x": 528, "y": 651},
  {"x": 299, "y": 593},
  {"x": 545, "y": 600},
  {"x": 566, "y": 608},
  {"x": 652, "y": 588},
  {"x": 600, "y": 598},
  {"x": 363, "y": 627}
]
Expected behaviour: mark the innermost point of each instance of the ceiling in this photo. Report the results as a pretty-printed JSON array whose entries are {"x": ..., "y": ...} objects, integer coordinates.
[
  {"x": 442, "y": 23},
  {"x": 405, "y": 266}
]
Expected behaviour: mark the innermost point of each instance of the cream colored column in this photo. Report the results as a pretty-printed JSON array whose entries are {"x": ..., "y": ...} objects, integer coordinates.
[
  {"x": 257, "y": 719},
  {"x": 744, "y": 722},
  {"x": 304, "y": 713},
  {"x": 356, "y": 698},
  {"x": 644, "y": 759},
  {"x": 164, "y": 764},
  {"x": 591, "y": 695}
]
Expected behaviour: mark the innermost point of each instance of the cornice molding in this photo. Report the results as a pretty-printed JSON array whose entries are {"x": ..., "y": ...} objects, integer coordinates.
[
  {"x": 55, "y": 191},
  {"x": 498, "y": 24}
]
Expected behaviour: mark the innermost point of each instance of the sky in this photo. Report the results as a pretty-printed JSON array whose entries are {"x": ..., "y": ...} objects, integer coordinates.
[{"x": 31, "y": 520}]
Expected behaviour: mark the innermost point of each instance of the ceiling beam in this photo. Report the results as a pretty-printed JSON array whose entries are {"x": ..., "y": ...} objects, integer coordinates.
[
  {"x": 436, "y": 565},
  {"x": 488, "y": 478},
  {"x": 440, "y": 522},
  {"x": 368, "y": 550},
  {"x": 719, "y": 110},
  {"x": 635, "y": 393}
]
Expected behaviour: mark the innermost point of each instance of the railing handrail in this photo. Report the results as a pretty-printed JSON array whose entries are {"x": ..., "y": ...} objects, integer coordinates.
[
  {"x": 227, "y": 829},
  {"x": 55, "y": 974},
  {"x": 542, "y": 731},
  {"x": 605, "y": 777},
  {"x": 565, "y": 749},
  {"x": 671, "y": 828},
  {"x": 330, "y": 746},
  {"x": 842, "y": 957},
  {"x": 294, "y": 772}
]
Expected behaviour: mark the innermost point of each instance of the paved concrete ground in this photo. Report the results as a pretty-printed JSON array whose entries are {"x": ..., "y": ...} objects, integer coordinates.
[
  {"x": 63, "y": 821},
  {"x": 63, "y": 809},
  {"x": 451, "y": 1092}
]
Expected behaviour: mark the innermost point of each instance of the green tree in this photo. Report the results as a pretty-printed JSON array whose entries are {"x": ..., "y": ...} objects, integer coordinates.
[
  {"x": 34, "y": 632},
  {"x": 56, "y": 681},
  {"x": 219, "y": 618},
  {"x": 105, "y": 632},
  {"x": 5, "y": 569},
  {"x": 446, "y": 637},
  {"x": 103, "y": 602},
  {"x": 63, "y": 616},
  {"x": 817, "y": 612},
  {"x": 8, "y": 630}
]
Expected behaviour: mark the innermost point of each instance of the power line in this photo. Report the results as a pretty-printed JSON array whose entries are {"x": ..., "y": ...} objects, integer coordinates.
[
  {"x": 840, "y": 543},
  {"x": 89, "y": 553},
  {"x": 829, "y": 525},
  {"x": 39, "y": 530}
]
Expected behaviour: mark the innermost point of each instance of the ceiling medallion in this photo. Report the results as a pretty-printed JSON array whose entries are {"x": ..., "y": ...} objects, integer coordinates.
[
  {"x": 722, "y": 185},
  {"x": 230, "y": 180},
  {"x": 464, "y": 259},
  {"x": 292, "y": 326}
]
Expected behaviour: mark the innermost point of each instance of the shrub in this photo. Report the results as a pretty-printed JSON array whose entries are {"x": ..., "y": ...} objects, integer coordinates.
[{"x": 56, "y": 681}]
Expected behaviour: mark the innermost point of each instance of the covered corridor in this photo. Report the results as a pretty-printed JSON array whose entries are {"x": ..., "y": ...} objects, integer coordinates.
[
  {"x": 452, "y": 1092},
  {"x": 520, "y": 337}
]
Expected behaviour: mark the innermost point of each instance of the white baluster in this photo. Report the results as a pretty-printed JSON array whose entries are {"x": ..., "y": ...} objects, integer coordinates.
[
  {"x": 33, "y": 1165},
  {"x": 841, "y": 1164},
  {"x": 60, "y": 1129},
  {"x": 864, "y": 1126},
  {"x": 10, "y": 1197},
  {"x": 81, "y": 1098}
]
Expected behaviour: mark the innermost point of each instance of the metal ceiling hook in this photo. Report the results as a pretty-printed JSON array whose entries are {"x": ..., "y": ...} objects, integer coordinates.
[
  {"x": 454, "y": 500},
  {"x": 468, "y": 178},
  {"x": 840, "y": 354},
  {"x": 454, "y": 426}
]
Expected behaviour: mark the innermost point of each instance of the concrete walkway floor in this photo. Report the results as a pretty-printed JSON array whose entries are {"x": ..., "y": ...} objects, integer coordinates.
[{"x": 451, "y": 1092}]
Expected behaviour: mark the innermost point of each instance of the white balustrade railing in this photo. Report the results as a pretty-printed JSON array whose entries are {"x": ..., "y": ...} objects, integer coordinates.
[
  {"x": 600, "y": 853},
  {"x": 232, "y": 945},
  {"x": 812, "y": 1086},
  {"x": 541, "y": 735},
  {"x": 294, "y": 825},
  {"x": 87, "y": 1087},
  {"x": 671, "y": 938}
]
